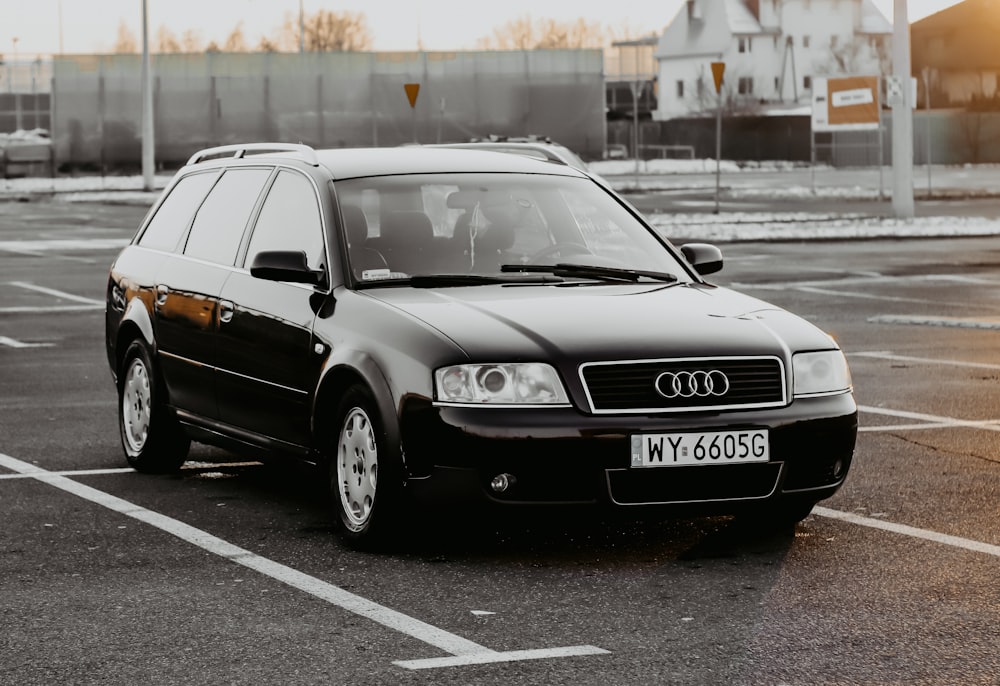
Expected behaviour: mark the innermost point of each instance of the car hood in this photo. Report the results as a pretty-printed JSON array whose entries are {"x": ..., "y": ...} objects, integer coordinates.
[{"x": 604, "y": 322}]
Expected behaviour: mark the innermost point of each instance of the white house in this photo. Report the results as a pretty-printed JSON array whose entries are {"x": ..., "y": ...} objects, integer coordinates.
[{"x": 772, "y": 49}]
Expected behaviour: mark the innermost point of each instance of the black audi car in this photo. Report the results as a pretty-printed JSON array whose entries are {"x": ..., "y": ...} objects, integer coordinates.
[{"x": 425, "y": 323}]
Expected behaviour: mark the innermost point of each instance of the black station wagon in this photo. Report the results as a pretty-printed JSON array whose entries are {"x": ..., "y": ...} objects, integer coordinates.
[{"x": 422, "y": 323}]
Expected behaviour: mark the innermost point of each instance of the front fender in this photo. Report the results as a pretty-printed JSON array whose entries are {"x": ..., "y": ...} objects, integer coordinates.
[{"x": 343, "y": 369}]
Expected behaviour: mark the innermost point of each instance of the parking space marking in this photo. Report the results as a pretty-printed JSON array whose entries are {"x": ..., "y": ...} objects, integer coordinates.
[
  {"x": 61, "y": 244},
  {"x": 886, "y": 355},
  {"x": 62, "y": 295},
  {"x": 913, "y": 532},
  {"x": 987, "y": 323},
  {"x": 927, "y": 421},
  {"x": 456, "y": 646},
  {"x": 12, "y": 343}
]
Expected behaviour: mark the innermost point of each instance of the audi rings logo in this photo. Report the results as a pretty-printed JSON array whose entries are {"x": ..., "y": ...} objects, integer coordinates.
[{"x": 700, "y": 384}]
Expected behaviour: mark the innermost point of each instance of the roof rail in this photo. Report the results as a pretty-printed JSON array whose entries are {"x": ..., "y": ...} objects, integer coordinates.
[{"x": 240, "y": 150}]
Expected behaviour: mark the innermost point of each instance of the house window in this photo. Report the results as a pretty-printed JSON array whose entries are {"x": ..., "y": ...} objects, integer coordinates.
[
  {"x": 805, "y": 41},
  {"x": 744, "y": 44},
  {"x": 745, "y": 86},
  {"x": 777, "y": 83},
  {"x": 807, "y": 83},
  {"x": 680, "y": 89}
]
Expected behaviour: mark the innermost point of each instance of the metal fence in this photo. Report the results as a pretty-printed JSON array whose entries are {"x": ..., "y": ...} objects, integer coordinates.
[
  {"x": 323, "y": 99},
  {"x": 941, "y": 136}
]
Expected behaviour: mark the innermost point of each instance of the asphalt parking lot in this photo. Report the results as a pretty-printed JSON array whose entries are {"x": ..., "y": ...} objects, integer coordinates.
[{"x": 230, "y": 573}]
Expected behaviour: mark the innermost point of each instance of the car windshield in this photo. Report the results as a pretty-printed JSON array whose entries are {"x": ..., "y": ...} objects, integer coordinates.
[{"x": 427, "y": 225}]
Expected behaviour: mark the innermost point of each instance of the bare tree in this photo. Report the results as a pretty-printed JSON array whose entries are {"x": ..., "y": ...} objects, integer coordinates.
[
  {"x": 125, "y": 42},
  {"x": 324, "y": 31},
  {"x": 191, "y": 41},
  {"x": 235, "y": 41},
  {"x": 267, "y": 45},
  {"x": 525, "y": 33},
  {"x": 166, "y": 41},
  {"x": 979, "y": 125}
]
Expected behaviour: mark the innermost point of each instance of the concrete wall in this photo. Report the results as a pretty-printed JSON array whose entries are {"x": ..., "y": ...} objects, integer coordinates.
[{"x": 323, "y": 99}]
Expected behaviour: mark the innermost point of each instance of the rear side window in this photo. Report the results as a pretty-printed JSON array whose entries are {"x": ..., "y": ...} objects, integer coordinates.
[
  {"x": 218, "y": 227},
  {"x": 174, "y": 214},
  {"x": 289, "y": 220}
]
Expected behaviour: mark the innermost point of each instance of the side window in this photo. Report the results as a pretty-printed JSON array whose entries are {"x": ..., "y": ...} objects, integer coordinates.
[
  {"x": 219, "y": 224},
  {"x": 289, "y": 220},
  {"x": 174, "y": 214}
]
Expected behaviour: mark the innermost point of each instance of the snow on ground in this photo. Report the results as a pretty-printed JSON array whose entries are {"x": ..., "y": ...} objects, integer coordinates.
[
  {"x": 727, "y": 227},
  {"x": 722, "y": 227}
]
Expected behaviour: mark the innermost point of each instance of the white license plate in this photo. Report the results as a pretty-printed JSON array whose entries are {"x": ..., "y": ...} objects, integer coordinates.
[{"x": 705, "y": 447}]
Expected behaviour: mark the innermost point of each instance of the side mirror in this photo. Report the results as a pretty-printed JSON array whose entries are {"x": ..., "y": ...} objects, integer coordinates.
[
  {"x": 285, "y": 265},
  {"x": 705, "y": 258}
]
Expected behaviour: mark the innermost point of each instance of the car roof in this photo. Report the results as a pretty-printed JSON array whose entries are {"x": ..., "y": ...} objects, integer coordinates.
[
  {"x": 541, "y": 150},
  {"x": 346, "y": 163}
]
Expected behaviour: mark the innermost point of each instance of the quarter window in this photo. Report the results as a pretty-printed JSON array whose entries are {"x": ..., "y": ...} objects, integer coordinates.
[
  {"x": 219, "y": 225},
  {"x": 289, "y": 220},
  {"x": 172, "y": 218}
]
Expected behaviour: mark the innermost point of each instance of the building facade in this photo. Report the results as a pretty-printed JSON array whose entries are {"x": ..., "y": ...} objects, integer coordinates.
[
  {"x": 955, "y": 55},
  {"x": 772, "y": 50}
]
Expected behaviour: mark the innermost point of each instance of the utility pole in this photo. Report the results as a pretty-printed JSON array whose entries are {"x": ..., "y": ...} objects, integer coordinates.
[
  {"x": 148, "y": 146},
  {"x": 902, "y": 115}
]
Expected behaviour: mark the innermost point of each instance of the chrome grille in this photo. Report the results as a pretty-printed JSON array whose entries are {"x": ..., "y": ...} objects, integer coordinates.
[{"x": 631, "y": 386}]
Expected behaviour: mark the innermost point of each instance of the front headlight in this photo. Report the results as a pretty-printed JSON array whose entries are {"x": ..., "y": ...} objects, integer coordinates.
[
  {"x": 822, "y": 373},
  {"x": 500, "y": 384}
]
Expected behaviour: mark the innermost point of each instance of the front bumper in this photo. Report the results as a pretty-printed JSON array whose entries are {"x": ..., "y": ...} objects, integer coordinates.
[{"x": 562, "y": 456}]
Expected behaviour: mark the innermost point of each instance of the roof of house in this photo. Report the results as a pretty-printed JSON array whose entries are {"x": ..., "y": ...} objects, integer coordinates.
[{"x": 714, "y": 23}]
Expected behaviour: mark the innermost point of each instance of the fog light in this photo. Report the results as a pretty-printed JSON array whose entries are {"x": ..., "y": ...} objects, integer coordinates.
[
  {"x": 501, "y": 482},
  {"x": 838, "y": 469}
]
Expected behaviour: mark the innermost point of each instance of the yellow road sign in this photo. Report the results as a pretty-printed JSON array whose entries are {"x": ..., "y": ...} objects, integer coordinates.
[
  {"x": 718, "y": 68},
  {"x": 412, "y": 89}
]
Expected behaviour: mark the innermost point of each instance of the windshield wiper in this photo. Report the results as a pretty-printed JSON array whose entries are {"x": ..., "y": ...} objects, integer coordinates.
[
  {"x": 446, "y": 280},
  {"x": 588, "y": 271}
]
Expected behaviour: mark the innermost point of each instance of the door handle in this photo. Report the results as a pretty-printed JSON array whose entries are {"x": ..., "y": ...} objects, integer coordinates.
[
  {"x": 226, "y": 311},
  {"x": 161, "y": 294}
]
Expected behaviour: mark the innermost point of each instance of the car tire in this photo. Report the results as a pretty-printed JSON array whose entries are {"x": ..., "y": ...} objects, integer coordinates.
[
  {"x": 151, "y": 436},
  {"x": 365, "y": 474}
]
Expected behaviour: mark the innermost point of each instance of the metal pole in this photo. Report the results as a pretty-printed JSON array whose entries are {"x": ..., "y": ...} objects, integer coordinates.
[
  {"x": 60, "y": 18},
  {"x": 927, "y": 125},
  {"x": 636, "y": 85},
  {"x": 147, "y": 106},
  {"x": 718, "y": 150},
  {"x": 902, "y": 115},
  {"x": 18, "y": 124}
]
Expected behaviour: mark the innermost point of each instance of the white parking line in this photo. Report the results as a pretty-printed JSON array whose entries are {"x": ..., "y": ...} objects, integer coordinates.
[
  {"x": 58, "y": 294},
  {"x": 12, "y": 343},
  {"x": 886, "y": 355},
  {"x": 928, "y": 421},
  {"x": 463, "y": 651},
  {"x": 913, "y": 532}
]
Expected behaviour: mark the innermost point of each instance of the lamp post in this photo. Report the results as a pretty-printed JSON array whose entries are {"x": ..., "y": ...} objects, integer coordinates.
[
  {"x": 902, "y": 115},
  {"x": 147, "y": 107},
  {"x": 17, "y": 96}
]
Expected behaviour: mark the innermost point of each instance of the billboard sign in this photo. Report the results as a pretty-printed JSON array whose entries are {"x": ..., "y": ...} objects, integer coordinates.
[{"x": 849, "y": 103}]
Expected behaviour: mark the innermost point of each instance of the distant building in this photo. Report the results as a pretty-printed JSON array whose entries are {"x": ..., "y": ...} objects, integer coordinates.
[
  {"x": 958, "y": 49},
  {"x": 630, "y": 78},
  {"x": 772, "y": 50}
]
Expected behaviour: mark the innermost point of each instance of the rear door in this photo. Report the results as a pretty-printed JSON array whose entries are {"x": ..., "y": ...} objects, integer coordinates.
[
  {"x": 186, "y": 297},
  {"x": 269, "y": 365}
]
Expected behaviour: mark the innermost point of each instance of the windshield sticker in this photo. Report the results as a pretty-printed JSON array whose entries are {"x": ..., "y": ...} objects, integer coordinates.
[{"x": 375, "y": 274}]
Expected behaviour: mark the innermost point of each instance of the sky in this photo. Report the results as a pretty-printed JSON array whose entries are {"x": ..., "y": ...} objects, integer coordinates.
[{"x": 90, "y": 26}]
